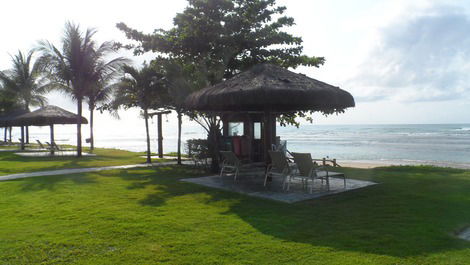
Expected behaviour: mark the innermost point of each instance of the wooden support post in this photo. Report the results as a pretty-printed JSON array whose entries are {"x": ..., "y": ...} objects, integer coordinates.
[
  {"x": 159, "y": 130},
  {"x": 160, "y": 135},
  {"x": 22, "y": 137},
  {"x": 273, "y": 128},
  {"x": 180, "y": 120},
  {"x": 27, "y": 134},
  {"x": 267, "y": 130},
  {"x": 52, "y": 139}
]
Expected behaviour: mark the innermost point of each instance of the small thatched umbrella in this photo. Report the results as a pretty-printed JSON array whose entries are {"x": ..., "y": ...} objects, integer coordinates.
[
  {"x": 48, "y": 116},
  {"x": 269, "y": 89},
  {"x": 7, "y": 120}
]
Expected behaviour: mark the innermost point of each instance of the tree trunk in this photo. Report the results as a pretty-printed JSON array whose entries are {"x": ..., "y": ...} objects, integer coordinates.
[
  {"x": 10, "y": 134},
  {"x": 213, "y": 145},
  {"x": 160, "y": 135},
  {"x": 79, "y": 127},
  {"x": 27, "y": 134},
  {"x": 180, "y": 121},
  {"x": 92, "y": 140},
  {"x": 5, "y": 135},
  {"x": 146, "y": 116}
]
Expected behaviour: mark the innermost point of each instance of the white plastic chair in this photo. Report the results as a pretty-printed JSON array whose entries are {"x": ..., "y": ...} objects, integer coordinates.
[
  {"x": 279, "y": 167},
  {"x": 309, "y": 171},
  {"x": 230, "y": 164}
]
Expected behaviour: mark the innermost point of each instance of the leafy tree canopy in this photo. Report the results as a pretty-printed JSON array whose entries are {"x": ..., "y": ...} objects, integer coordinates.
[
  {"x": 231, "y": 35},
  {"x": 8, "y": 101},
  {"x": 225, "y": 37}
]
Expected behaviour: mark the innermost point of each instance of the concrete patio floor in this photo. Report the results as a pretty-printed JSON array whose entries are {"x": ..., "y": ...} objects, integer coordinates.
[{"x": 252, "y": 185}]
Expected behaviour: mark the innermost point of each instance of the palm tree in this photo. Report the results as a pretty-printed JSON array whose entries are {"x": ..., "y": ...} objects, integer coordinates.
[
  {"x": 181, "y": 81},
  {"x": 72, "y": 68},
  {"x": 25, "y": 82},
  {"x": 104, "y": 72},
  {"x": 8, "y": 103},
  {"x": 139, "y": 88},
  {"x": 100, "y": 93}
]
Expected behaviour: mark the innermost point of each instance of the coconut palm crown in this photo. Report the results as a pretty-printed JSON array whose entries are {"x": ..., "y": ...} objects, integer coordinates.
[
  {"x": 25, "y": 83},
  {"x": 144, "y": 88},
  {"x": 78, "y": 67},
  {"x": 24, "y": 80}
]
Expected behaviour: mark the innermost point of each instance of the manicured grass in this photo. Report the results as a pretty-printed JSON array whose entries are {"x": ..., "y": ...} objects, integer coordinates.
[
  {"x": 11, "y": 163},
  {"x": 8, "y": 147},
  {"x": 147, "y": 216}
]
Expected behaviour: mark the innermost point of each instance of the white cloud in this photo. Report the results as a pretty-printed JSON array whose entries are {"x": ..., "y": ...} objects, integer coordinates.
[
  {"x": 345, "y": 32},
  {"x": 423, "y": 55}
]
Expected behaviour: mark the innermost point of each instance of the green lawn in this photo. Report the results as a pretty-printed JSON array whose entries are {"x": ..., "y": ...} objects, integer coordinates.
[
  {"x": 11, "y": 163},
  {"x": 147, "y": 216}
]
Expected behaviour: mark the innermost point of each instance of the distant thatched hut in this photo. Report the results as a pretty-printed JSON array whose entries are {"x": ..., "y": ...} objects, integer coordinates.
[
  {"x": 7, "y": 120},
  {"x": 48, "y": 116}
]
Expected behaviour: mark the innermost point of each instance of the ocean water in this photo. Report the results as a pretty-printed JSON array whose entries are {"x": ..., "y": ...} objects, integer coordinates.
[{"x": 439, "y": 144}]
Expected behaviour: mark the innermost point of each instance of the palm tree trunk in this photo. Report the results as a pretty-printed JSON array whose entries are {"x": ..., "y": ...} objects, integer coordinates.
[
  {"x": 179, "y": 137},
  {"x": 160, "y": 135},
  {"x": 79, "y": 127},
  {"x": 146, "y": 116},
  {"x": 92, "y": 140}
]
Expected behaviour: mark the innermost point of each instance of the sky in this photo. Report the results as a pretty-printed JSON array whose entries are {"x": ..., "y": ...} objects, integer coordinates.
[{"x": 403, "y": 61}]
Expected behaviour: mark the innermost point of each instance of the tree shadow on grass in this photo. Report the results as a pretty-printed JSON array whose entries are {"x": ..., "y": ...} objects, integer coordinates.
[
  {"x": 412, "y": 213},
  {"x": 29, "y": 164},
  {"x": 51, "y": 182},
  {"x": 164, "y": 179}
]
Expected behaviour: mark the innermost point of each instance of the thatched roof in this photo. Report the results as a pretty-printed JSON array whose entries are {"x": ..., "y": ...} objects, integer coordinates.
[
  {"x": 46, "y": 116},
  {"x": 7, "y": 119},
  {"x": 267, "y": 87}
]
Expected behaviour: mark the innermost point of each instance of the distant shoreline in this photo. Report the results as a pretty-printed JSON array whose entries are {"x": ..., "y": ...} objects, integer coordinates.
[
  {"x": 383, "y": 163},
  {"x": 364, "y": 146}
]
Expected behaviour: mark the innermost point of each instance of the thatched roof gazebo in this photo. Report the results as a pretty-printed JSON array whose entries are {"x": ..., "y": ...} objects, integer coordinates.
[
  {"x": 48, "y": 116},
  {"x": 267, "y": 87},
  {"x": 263, "y": 92}
]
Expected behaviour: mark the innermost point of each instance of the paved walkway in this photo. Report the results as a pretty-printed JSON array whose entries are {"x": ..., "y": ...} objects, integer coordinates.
[{"x": 80, "y": 170}]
